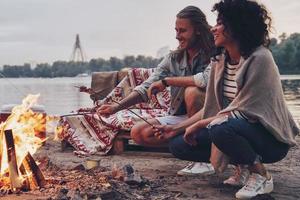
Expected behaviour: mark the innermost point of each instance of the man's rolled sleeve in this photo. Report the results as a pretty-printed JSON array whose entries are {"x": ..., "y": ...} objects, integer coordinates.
[
  {"x": 142, "y": 92},
  {"x": 201, "y": 79},
  {"x": 161, "y": 71}
]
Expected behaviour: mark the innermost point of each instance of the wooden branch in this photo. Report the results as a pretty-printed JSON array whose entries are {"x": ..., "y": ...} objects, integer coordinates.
[
  {"x": 15, "y": 180},
  {"x": 33, "y": 184},
  {"x": 38, "y": 178},
  {"x": 26, "y": 182}
]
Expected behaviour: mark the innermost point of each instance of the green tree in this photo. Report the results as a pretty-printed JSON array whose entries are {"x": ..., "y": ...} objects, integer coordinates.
[
  {"x": 115, "y": 63},
  {"x": 129, "y": 61}
]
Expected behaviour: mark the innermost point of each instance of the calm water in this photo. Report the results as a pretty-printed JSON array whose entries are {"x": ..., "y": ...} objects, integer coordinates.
[{"x": 59, "y": 96}]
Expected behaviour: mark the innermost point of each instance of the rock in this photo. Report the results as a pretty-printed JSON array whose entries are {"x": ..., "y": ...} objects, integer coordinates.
[
  {"x": 77, "y": 195},
  {"x": 79, "y": 167},
  {"x": 62, "y": 195},
  {"x": 108, "y": 194},
  {"x": 128, "y": 169},
  {"x": 131, "y": 177}
]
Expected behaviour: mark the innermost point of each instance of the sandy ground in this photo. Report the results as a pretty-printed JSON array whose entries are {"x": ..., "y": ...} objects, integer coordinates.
[{"x": 160, "y": 169}]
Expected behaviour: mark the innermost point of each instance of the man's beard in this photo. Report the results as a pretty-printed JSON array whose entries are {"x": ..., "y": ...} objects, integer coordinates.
[{"x": 192, "y": 43}]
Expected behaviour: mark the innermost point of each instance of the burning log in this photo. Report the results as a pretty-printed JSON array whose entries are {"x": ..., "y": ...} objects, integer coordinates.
[
  {"x": 37, "y": 178},
  {"x": 26, "y": 182},
  {"x": 28, "y": 175},
  {"x": 23, "y": 135},
  {"x": 15, "y": 180}
]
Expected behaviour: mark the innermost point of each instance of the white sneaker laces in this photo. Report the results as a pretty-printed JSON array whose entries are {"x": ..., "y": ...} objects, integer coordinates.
[
  {"x": 190, "y": 165},
  {"x": 253, "y": 183}
]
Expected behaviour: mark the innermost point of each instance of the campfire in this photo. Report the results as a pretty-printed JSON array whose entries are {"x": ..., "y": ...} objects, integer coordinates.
[{"x": 19, "y": 140}]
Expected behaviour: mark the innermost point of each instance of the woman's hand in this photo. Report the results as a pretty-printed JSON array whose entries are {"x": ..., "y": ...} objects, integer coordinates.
[
  {"x": 154, "y": 88},
  {"x": 107, "y": 109},
  {"x": 190, "y": 135},
  {"x": 164, "y": 131}
]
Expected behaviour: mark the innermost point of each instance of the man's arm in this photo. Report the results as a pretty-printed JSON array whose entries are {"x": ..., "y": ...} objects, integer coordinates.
[
  {"x": 109, "y": 109},
  {"x": 139, "y": 93},
  {"x": 199, "y": 80},
  {"x": 132, "y": 99},
  {"x": 161, "y": 71},
  {"x": 183, "y": 81}
]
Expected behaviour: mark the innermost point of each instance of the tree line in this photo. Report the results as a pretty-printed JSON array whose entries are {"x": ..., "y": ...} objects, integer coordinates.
[
  {"x": 286, "y": 53},
  {"x": 71, "y": 69}
]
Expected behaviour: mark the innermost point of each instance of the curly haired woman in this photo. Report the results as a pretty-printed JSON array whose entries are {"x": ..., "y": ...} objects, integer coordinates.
[{"x": 245, "y": 116}]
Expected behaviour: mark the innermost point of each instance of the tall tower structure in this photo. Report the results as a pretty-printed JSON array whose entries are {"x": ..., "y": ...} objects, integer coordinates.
[{"x": 78, "y": 53}]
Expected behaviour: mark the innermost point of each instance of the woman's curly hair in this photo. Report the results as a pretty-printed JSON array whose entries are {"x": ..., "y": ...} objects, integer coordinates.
[{"x": 247, "y": 22}]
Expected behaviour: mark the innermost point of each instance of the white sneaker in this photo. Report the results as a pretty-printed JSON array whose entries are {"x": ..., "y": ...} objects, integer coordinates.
[
  {"x": 239, "y": 178},
  {"x": 255, "y": 185},
  {"x": 197, "y": 168}
]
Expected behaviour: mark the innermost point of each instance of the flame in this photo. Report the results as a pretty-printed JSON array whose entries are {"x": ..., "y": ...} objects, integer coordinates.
[
  {"x": 58, "y": 133},
  {"x": 54, "y": 127},
  {"x": 26, "y": 127}
]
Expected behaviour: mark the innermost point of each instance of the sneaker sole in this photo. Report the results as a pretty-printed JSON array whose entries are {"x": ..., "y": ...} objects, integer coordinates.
[
  {"x": 194, "y": 174},
  {"x": 249, "y": 197}
]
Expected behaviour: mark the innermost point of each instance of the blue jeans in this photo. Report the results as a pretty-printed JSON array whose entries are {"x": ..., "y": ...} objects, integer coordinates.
[{"x": 241, "y": 140}]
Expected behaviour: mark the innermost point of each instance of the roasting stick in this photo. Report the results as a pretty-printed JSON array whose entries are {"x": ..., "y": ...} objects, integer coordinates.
[
  {"x": 75, "y": 114},
  {"x": 90, "y": 91},
  {"x": 134, "y": 113},
  {"x": 83, "y": 113}
]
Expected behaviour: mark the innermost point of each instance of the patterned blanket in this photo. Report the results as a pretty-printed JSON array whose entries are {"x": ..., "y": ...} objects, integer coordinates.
[{"x": 91, "y": 133}]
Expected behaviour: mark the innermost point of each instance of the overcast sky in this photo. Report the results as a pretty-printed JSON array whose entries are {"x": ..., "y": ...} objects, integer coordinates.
[{"x": 36, "y": 31}]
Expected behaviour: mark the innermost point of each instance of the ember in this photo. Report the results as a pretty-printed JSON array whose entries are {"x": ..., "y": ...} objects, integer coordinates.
[{"x": 19, "y": 140}]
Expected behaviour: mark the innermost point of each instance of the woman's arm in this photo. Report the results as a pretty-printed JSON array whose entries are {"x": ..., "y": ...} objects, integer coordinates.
[
  {"x": 190, "y": 132},
  {"x": 189, "y": 127}
]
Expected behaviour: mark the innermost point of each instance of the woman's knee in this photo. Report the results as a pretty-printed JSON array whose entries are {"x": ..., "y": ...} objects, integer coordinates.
[
  {"x": 217, "y": 135},
  {"x": 278, "y": 153}
]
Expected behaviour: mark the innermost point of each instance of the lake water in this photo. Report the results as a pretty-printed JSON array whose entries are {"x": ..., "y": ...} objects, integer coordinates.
[{"x": 60, "y": 96}]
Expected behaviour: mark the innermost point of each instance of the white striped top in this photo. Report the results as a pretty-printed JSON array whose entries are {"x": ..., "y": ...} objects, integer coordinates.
[
  {"x": 229, "y": 83},
  {"x": 230, "y": 88}
]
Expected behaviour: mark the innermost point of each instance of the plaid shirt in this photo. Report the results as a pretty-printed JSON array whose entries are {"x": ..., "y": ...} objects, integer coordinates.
[{"x": 169, "y": 67}]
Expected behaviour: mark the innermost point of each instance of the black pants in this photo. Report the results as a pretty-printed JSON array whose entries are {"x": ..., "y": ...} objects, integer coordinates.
[{"x": 242, "y": 141}]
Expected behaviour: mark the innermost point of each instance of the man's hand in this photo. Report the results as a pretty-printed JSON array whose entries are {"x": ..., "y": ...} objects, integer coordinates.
[
  {"x": 154, "y": 88},
  {"x": 85, "y": 89},
  {"x": 190, "y": 135},
  {"x": 107, "y": 109},
  {"x": 164, "y": 131}
]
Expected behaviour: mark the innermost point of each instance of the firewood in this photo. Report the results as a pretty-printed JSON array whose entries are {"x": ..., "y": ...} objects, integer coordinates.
[
  {"x": 15, "y": 180},
  {"x": 26, "y": 183},
  {"x": 33, "y": 184},
  {"x": 37, "y": 175}
]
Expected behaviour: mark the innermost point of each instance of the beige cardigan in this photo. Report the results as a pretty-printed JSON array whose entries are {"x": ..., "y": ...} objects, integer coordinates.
[{"x": 259, "y": 95}]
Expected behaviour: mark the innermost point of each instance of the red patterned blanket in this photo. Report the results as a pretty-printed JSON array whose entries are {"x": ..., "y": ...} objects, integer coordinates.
[{"x": 92, "y": 133}]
